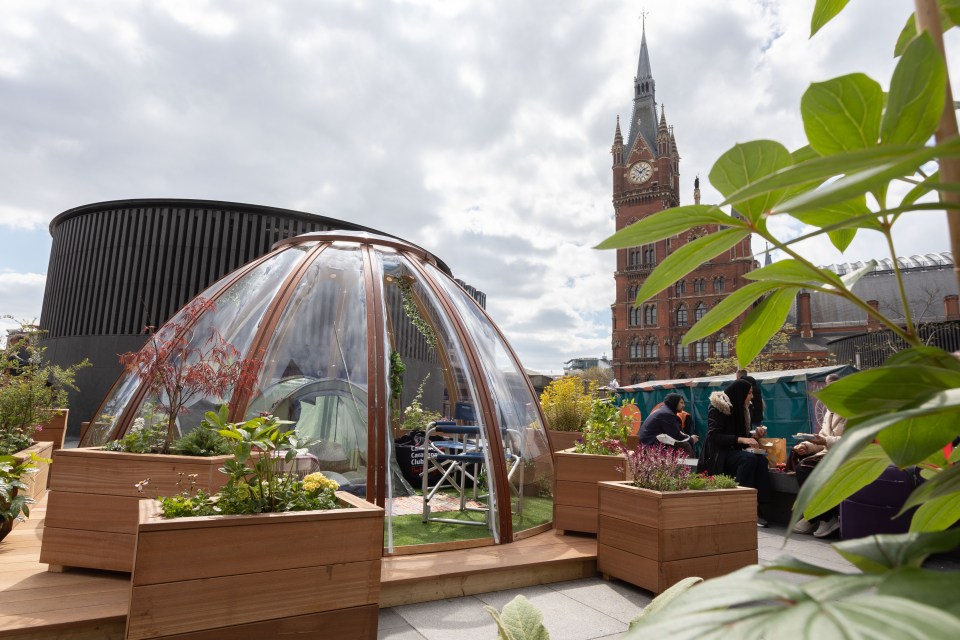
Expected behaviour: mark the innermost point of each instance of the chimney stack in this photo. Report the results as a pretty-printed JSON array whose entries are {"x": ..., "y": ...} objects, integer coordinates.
[
  {"x": 951, "y": 307},
  {"x": 872, "y": 323},
  {"x": 804, "y": 316}
]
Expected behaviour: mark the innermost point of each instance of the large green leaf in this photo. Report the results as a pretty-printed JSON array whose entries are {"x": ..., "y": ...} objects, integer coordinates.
[
  {"x": 687, "y": 258},
  {"x": 926, "y": 356},
  {"x": 746, "y": 163},
  {"x": 945, "y": 483},
  {"x": 879, "y": 553},
  {"x": 855, "y": 208},
  {"x": 917, "y": 91},
  {"x": 912, "y": 441},
  {"x": 936, "y": 588},
  {"x": 666, "y": 224},
  {"x": 856, "y": 473},
  {"x": 792, "y": 565},
  {"x": 856, "y": 184},
  {"x": 818, "y": 169},
  {"x": 764, "y": 321},
  {"x": 886, "y": 388},
  {"x": 795, "y": 272},
  {"x": 746, "y": 605},
  {"x": 908, "y": 33},
  {"x": 824, "y": 12},
  {"x": 842, "y": 114},
  {"x": 664, "y": 599},
  {"x": 860, "y": 433},
  {"x": 727, "y": 310},
  {"x": 938, "y": 514}
]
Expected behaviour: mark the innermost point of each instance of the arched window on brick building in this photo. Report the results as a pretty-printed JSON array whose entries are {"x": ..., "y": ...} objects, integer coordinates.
[
  {"x": 700, "y": 311},
  {"x": 650, "y": 315},
  {"x": 682, "y": 316},
  {"x": 650, "y": 348}
]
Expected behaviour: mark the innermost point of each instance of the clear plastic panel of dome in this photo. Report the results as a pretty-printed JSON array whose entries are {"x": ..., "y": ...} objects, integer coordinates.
[
  {"x": 238, "y": 303},
  {"x": 529, "y": 466},
  {"x": 443, "y": 479},
  {"x": 315, "y": 369}
]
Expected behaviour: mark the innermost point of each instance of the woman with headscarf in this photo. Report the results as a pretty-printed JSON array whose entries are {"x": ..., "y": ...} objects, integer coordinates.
[
  {"x": 665, "y": 420},
  {"x": 728, "y": 435}
]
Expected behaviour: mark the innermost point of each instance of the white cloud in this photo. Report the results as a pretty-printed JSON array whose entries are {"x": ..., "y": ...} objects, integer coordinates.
[{"x": 22, "y": 296}]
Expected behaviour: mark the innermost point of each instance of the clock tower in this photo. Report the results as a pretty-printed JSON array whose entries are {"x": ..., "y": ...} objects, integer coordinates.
[{"x": 646, "y": 179}]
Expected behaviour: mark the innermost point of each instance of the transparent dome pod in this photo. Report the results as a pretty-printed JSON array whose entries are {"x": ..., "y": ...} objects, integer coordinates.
[{"x": 364, "y": 342}]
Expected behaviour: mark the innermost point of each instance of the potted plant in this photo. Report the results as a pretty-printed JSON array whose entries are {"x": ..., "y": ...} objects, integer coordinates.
[
  {"x": 195, "y": 553},
  {"x": 566, "y": 404},
  {"x": 597, "y": 456},
  {"x": 668, "y": 523},
  {"x": 31, "y": 392},
  {"x": 93, "y": 508},
  {"x": 15, "y": 498}
]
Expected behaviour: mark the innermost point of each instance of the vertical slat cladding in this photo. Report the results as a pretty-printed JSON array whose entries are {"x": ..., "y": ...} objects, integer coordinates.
[
  {"x": 189, "y": 258},
  {"x": 213, "y": 239},
  {"x": 82, "y": 324},
  {"x": 118, "y": 266},
  {"x": 70, "y": 286},
  {"x": 132, "y": 319},
  {"x": 89, "y": 311},
  {"x": 176, "y": 251},
  {"x": 243, "y": 221},
  {"x": 235, "y": 232},
  {"x": 101, "y": 245},
  {"x": 155, "y": 265},
  {"x": 199, "y": 250},
  {"x": 164, "y": 257}
]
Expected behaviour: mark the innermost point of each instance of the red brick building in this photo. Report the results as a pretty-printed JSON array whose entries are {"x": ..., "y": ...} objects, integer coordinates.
[{"x": 646, "y": 179}]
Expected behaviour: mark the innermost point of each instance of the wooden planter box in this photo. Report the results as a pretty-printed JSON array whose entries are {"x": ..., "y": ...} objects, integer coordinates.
[
  {"x": 36, "y": 482},
  {"x": 575, "y": 494},
  {"x": 92, "y": 508},
  {"x": 312, "y": 573},
  {"x": 654, "y": 539},
  {"x": 560, "y": 440},
  {"x": 54, "y": 430}
]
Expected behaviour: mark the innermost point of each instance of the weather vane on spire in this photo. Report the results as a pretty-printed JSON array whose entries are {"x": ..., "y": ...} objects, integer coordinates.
[{"x": 643, "y": 17}]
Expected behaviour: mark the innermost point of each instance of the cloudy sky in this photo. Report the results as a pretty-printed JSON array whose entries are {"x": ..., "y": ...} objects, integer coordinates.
[{"x": 479, "y": 129}]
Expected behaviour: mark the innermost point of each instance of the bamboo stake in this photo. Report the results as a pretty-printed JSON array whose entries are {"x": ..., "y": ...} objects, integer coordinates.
[{"x": 928, "y": 17}]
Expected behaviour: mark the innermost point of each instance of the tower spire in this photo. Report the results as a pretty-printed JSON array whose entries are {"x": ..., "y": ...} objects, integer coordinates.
[{"x": 643, "y": 123}]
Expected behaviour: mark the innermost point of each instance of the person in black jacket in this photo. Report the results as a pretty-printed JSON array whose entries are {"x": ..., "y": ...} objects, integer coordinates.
[
  {"x": 728, "y": 437},
  {"x": 665, "y": 421}
]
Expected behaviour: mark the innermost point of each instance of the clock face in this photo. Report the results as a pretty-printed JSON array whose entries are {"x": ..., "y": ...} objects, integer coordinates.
[{"x": 640, "y": 172}]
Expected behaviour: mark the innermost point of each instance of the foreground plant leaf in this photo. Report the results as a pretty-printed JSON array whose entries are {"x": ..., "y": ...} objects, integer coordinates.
[
  {"x": 746, "y": 163},
  {"x": 745, "y": 604},
  {"x": 842, "y": 114},
  {"x": 519, "y": 620},
  {"x": 764, "y": 321},
  {"x": 856, "y": 473},
  {"x": 879, "y": 553},
  {"x": 666, "y": 224}
]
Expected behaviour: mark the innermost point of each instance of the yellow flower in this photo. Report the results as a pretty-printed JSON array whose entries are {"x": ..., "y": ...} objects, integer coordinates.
[{"x": 315, "y": 482}]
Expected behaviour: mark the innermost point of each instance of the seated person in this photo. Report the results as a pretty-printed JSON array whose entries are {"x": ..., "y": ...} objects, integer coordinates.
[
  {"x": 810, "y": 453},
  {"x": 666, "y": 421},
  {"x": 728, "y": 435},
  {"x": 756, "y": 403}
]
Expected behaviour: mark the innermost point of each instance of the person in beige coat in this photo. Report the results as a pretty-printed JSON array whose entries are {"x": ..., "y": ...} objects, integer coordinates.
[{"x": 811, "y": 452}]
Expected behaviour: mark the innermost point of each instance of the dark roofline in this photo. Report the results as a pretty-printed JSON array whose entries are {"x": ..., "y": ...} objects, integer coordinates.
[{"x": 233, "y": 206}]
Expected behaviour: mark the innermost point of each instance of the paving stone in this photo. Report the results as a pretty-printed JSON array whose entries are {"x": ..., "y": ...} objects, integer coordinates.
[
  {"x": 615, "y": 598},
  {"x": 458, "y": 619}
]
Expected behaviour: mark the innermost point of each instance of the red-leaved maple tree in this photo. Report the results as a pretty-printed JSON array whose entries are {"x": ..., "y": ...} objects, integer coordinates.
[{"x": 177, "y": 364}]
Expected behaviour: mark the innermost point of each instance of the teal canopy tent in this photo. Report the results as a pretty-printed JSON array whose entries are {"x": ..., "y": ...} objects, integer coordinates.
[{"x": 789, "y": 404}]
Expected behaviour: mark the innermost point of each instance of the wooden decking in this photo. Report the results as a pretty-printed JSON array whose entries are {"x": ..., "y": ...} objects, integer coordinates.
[{"x": 79, "y": 605}]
